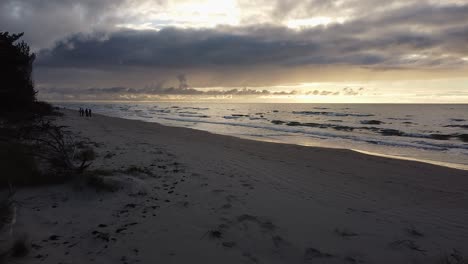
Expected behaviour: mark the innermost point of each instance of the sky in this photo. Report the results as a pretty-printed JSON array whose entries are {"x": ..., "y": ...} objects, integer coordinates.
[{"x": 328, "y": 51}]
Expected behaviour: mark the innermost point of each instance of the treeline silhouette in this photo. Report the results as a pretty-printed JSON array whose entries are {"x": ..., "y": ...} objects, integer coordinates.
[
  {"x": 33, "y": 149},
  {"x": 16, "y": 88}
]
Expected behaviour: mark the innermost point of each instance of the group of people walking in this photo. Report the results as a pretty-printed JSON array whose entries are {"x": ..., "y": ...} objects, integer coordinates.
[{"x": 85, "y": 112}]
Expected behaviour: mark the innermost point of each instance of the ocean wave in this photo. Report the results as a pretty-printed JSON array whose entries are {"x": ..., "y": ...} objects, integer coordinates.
[
  {"x": 196, "y": 108},
  {"x": 231, "y": 117},
  {"x": 459, "y": 126},
  {"x": 160, "y": 111},
  {"x": 145, "y": 116},
  {"x": 399, "y": 118},
  {"x": 194, "y": 115},
  {"x": 381, "y": 131},
  {"x": 235, "y": 116},
  {"x": 425, "y": 145},
  {"x": 330, "y": 113},
  {"x": 187, "y": 112},
  {"x": 371, "y": 122}
]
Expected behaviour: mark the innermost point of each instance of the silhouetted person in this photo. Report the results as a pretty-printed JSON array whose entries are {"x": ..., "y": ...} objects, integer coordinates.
[
  {"x": 86, "y": 112},
  {"x": 90, "y": 112},
  {"x": 81, "y": 112}
]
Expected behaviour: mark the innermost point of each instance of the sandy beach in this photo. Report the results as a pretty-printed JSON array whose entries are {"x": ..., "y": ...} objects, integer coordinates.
[{"x": 188, "y": 196}]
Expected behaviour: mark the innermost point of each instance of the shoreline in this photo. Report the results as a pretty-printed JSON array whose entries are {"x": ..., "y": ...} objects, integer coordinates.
[
  {"x": 457, "y": 166},
  {"x": 432, "y": 162},
  {"x": 188, "y": 195}
]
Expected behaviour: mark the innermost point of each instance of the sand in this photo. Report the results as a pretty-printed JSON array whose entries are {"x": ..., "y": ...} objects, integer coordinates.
[{"x": 205, "y": 198}]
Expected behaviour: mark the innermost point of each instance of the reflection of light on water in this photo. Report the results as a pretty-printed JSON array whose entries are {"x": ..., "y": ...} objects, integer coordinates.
[{"x": 439, "y": 163}]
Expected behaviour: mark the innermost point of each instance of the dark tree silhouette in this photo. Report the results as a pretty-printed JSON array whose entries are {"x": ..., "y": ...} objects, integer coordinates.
[{"x": 16, "y": 85}]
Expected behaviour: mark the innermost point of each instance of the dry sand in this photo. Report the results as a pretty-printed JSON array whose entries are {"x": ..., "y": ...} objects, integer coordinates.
[{"x": 219, "y": 199}]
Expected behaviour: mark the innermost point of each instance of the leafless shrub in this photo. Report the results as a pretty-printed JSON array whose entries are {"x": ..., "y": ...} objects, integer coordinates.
[
  {"x": 38, "y": 152},
  {"x": 56, "y": 146}
]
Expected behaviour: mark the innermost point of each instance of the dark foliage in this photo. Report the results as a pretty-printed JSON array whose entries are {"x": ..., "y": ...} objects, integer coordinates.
[
  {"x": 17, "y": 164},
  {"x": 17, "y": 92},
  {"x": 39, "y": 152}
]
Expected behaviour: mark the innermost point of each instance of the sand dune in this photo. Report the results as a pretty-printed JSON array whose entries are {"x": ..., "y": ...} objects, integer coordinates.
[{"x": 196, "y": 197}]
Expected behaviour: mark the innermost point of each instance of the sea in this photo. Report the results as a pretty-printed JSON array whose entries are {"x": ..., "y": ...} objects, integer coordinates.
[{"x": 433, "y": 133}]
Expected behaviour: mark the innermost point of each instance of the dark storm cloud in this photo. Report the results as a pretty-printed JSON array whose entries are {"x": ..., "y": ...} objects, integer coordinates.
[
  {"x": 376, "y": 33},
  {"x": 172, "y": 48},
  {"x": 83, "y": 45},
  {"x": 356, "y": 43}
]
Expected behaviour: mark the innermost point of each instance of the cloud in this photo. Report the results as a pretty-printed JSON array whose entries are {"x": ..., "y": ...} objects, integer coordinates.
[
  {"x": 184, "y": 90},
  {"x": 240, "y": 43},
  {"x": 45, "y": 22},
  {"x": 355, "y": 43}
]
